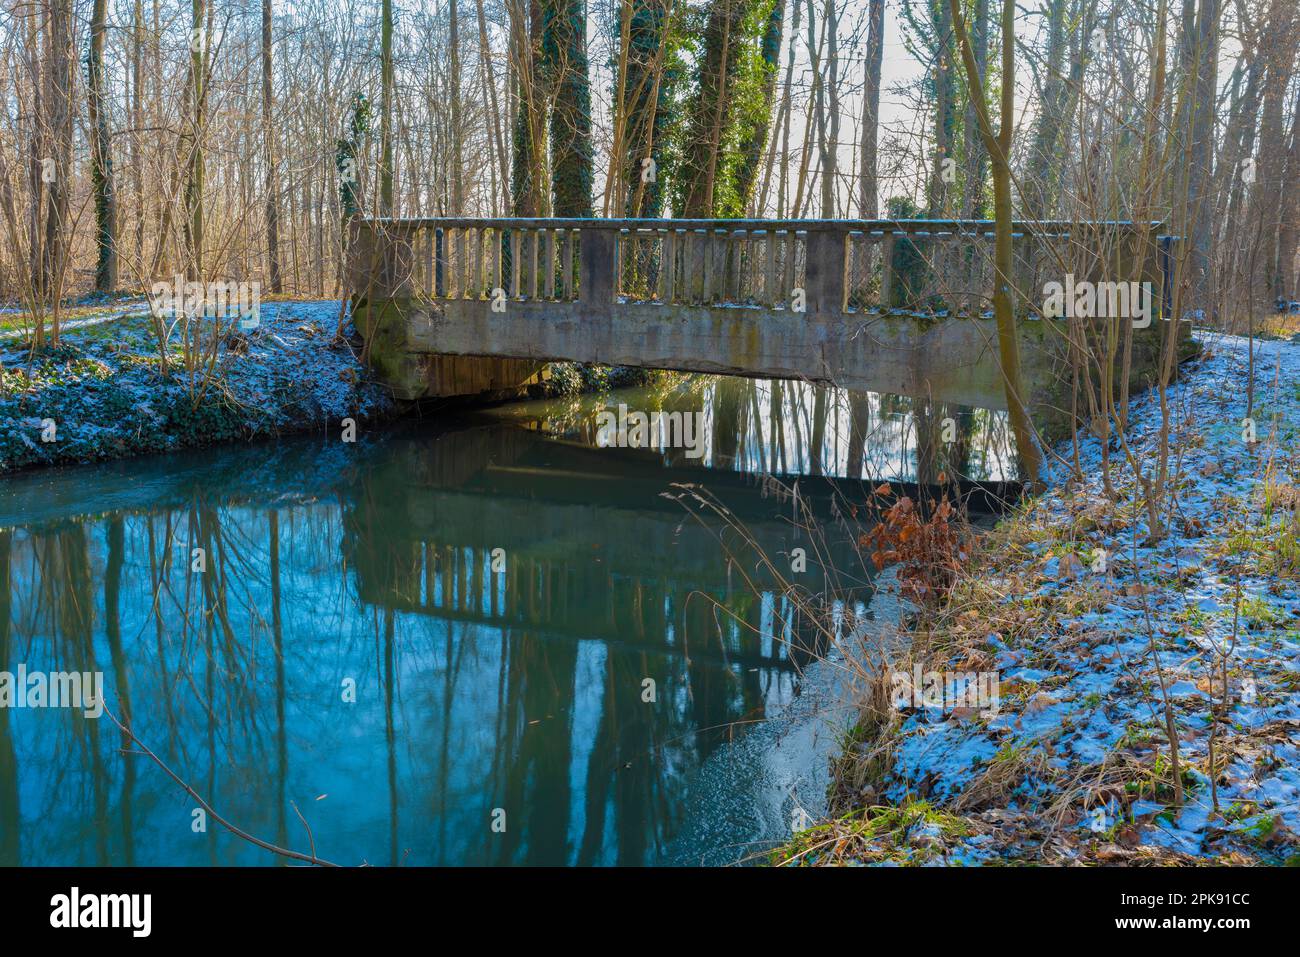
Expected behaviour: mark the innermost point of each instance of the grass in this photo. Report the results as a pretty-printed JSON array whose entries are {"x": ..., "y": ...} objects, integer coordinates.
[
  {"x": 915, "y": 832},
  {"x": 22, "y": 321},
  {"x": 1273, "y": 550}
]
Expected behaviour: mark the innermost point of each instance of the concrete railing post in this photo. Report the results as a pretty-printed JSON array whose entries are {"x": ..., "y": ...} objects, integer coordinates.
[
  {"x": 362, "y": 271},
  {"x": 597, "y": 268},
  {"x": 399, "y": 260},
  {"x": 825, "y": 266}
]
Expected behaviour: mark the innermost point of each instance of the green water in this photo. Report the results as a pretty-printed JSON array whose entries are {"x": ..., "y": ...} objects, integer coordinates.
[{"x": 480, "y": 639}]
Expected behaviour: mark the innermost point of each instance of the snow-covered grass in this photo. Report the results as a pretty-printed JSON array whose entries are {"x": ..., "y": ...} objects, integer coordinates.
[
  {"x": 1101, "y": 640},
  {"x": 100, "y": 394}
]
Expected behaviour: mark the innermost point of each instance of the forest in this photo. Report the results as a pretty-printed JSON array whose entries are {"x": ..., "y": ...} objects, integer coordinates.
[
  {"x": 232, "y": 139},
  {"x": 950, "y": 513}
]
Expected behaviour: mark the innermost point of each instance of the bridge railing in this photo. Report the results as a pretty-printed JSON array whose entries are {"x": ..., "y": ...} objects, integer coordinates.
[{"x": 908, "y": 267}]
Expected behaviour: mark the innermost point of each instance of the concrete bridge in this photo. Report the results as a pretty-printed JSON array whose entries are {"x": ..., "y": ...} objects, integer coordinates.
[{"x": 467, "y": 306}]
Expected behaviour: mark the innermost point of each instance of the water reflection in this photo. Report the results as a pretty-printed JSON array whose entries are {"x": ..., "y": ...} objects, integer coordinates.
[
  {"x": 382, "y": 649},
  {"x": 799, "y": 428}
]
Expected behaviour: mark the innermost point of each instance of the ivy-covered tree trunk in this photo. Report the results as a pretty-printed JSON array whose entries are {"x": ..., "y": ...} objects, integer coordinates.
[
  {"x": 457, "y": 200},
  {"x": 646, "y": 106},
  {"x": 346, "y": 158},
  {"x": 753, "y": 137},
  {"x": 528, "y": 137},
  {"x": 564, "y": 52},
  {"x": 938, "y": 200},
  {"x": 707, "y": 109}
]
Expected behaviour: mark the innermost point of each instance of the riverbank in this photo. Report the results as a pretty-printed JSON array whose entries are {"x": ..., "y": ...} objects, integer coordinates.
[
  {"x": 100, "y": 394},
  {"x": 1100, "y": 641}
]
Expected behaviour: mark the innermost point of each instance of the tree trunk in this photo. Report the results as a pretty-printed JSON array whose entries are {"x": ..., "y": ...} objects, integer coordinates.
[
  {"x": 646, "y": 105},
  {"x": 137, "y": 121},
  {"x": 272, "y": 175},
  {"x": 101, "y": 156},
  {"x": 529, "y": 129},
  {"x": 972, "y": 203},
  {"x": 1289, "y": 203},
  {"x": 386, "y": 116},
  {"x": 999, "y": 148},
  {"x": 564, "y": 51},
  {"x": 707, "y": 108},
  {"x": 1202, "y": 72},
  {"x": 454, "y": 132},
  {"x": 194, "y": 180},
  {"x": 1039, "y": 193},
  {"x": 868, "y": 173},
  {"x": 753, "y": 140},
  {"x": 59, "y": 111}
]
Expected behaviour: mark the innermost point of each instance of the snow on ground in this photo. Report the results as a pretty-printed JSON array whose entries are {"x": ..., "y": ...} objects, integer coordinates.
[
  {"x": 1075, "y": 764},
  {"x": 102, "y": 390}
]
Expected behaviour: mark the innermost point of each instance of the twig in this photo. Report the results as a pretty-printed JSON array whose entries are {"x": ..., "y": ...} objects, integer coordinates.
[{"x": 211, "y": 812}]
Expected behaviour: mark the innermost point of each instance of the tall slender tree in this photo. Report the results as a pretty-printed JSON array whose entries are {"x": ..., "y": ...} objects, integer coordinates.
[
  {"x": 56, "y": 168},
  {"x": 101, "y": 154},
  {"x": 194, "y": 184},
  {"x": 272, "y": 173},
  {"x": 998, "y": 144},
  {"x": 868, "y": 171},
  {"x": 386, "y": 109}
]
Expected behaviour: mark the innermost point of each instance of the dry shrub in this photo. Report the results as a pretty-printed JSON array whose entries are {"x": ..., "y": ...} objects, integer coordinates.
[
  {"x": 929, "y": 550},
  {"x": 859, "y": 772}
]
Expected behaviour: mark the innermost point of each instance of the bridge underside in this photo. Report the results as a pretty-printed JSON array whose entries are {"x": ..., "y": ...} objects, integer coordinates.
[{"x": 431, "y": 349}]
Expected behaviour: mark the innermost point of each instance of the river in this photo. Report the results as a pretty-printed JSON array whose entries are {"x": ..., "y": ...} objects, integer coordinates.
[{"x": 480, "y": 638}]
